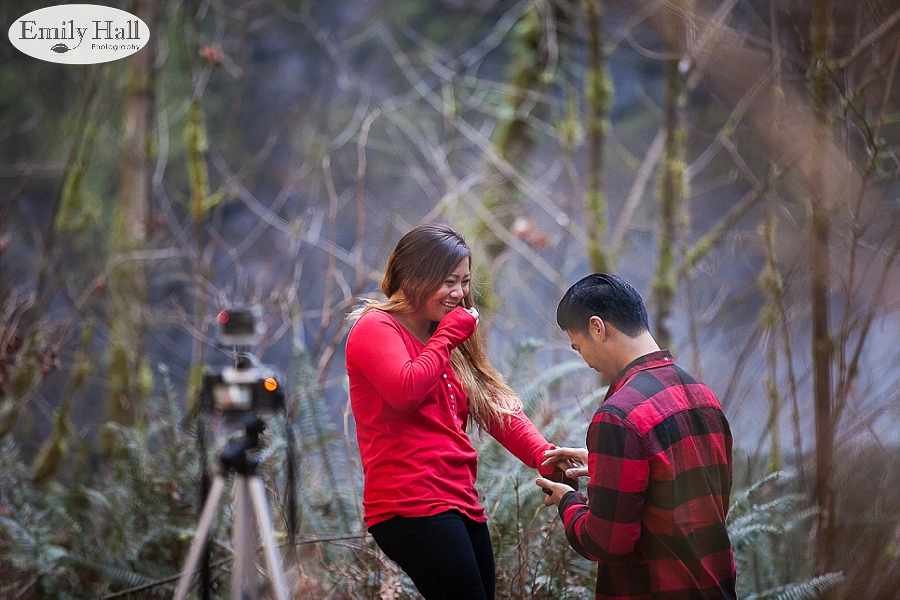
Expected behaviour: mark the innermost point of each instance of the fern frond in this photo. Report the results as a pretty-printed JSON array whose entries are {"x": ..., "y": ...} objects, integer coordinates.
[
  {"x": 115, "y": 573},
  {"x": 742, "y": 498},
  {"x": 522, "y": 357},
  {"x": 809, "y": 590},
  {"x": 532, "y": 392},
  {"x": 802, "y": 517}
]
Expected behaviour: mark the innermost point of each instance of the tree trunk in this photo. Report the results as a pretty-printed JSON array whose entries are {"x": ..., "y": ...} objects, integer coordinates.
[
  {"x": 770, "y": 281},
  {"x": 513, "y": 137},
  {"x": 598, "y": 99},
  {"x": 128, "y": 281},
  {"x": 672, "y": 181},
  {"x": 820, "y": 281}
]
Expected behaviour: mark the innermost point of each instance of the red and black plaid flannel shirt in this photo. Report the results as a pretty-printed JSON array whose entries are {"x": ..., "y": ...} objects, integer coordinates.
[{"x": 660, "y": 480}]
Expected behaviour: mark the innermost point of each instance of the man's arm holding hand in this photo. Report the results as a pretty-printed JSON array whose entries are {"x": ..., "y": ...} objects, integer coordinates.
[{"x": 606, "y": 524}]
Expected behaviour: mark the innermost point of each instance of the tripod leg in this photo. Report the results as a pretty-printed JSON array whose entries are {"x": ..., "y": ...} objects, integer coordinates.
[
  {"x": 200, "y": 537},
  {"x": 243, "y": 578},
  {"x": 267, "y": 535}
]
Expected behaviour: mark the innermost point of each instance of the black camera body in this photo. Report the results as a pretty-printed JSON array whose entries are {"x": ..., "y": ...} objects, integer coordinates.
[
  {"x": 232, "y": 390},
  {"x": 248, "y": 386}
]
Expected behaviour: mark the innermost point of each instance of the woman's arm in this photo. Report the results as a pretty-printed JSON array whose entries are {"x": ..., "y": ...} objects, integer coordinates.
[
  {"x": 377, "y": 349},
  {"x": 518, "y": 434}
]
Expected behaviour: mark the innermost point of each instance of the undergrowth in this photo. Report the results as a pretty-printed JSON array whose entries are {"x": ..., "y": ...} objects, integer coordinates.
[{"x": 123, "y": 529}]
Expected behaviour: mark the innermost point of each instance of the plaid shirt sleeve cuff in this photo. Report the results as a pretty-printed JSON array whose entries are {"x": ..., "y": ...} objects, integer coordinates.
[{"x": 571, "y": 498}]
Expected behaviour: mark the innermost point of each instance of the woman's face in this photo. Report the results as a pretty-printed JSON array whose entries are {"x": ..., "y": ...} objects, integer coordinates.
[{"x": 454, "y": 288}]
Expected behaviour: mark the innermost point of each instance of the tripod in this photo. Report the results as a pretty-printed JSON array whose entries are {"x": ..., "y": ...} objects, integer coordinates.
[{"x": 249, "y": 497}]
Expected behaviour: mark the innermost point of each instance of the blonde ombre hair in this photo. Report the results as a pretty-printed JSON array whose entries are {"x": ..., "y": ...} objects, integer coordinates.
[{"x": 416, "y": 269}]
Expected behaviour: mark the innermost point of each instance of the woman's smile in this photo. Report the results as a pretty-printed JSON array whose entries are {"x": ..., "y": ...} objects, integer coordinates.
[{"x": 452, "y": 291}]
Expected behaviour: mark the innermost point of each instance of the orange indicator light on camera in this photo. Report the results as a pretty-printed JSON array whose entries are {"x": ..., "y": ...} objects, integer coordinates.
[{"x": 270, "y": 384}]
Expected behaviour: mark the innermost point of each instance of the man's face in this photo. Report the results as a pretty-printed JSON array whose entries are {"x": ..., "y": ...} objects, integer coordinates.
[{"x": 589, "y": 344}]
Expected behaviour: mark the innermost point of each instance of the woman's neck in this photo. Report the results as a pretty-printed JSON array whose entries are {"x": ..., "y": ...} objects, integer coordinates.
[{"x": 419, "y": 327}]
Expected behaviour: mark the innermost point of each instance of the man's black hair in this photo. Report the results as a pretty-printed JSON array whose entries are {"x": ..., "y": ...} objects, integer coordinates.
[{"x": 606, "y": 296}]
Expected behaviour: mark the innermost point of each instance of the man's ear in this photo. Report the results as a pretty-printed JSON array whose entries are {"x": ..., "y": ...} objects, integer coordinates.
[{"x": 597, "y": 328}]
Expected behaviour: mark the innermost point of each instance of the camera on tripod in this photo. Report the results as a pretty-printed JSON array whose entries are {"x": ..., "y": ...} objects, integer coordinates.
[
  {"x": 248, "y": 386},
  {"x": 239, "y": 392}
]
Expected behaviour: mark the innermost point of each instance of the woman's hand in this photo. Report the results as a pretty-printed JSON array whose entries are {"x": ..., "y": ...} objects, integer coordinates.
[
  {"x": 571, "y": 460},
  {"x": 474, "y": 312}
]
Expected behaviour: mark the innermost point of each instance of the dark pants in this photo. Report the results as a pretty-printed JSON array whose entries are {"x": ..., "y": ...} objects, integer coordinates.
[{"x": 447, "y": 555}]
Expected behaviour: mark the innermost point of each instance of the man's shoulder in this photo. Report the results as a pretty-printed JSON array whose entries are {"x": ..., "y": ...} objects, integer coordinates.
[
  {"x": 653, "y": 395},
  {"x": 641, "y": 388}
]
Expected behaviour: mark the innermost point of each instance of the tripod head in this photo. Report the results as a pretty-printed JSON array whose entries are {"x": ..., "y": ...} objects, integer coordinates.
[{"x": 235, "y": 457}]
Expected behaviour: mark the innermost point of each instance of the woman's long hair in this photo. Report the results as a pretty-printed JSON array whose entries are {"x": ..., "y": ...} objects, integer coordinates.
[{"x": 416, "y": 269}]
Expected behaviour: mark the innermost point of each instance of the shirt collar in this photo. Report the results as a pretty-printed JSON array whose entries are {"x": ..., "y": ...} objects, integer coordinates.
[{"x": 653, "y": 360}]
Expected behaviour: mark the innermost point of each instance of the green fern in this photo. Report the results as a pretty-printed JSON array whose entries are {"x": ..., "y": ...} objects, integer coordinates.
[
  {"x": 769, "y": 530},
  {"x": 537, "y": 388},
  {"x": 533, "y": 558},
  {"x": 809, "y": 590}
]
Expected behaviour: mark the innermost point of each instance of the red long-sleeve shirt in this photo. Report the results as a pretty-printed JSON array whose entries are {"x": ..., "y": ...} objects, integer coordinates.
[{"x": 411, "y": 414}]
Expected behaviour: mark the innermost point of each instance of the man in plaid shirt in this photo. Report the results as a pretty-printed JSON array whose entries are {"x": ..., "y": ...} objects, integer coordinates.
[{"x": 658, "y": 456}]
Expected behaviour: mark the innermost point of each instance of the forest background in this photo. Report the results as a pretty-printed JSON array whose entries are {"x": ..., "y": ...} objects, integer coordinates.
[{"x": 736, "y": 160}]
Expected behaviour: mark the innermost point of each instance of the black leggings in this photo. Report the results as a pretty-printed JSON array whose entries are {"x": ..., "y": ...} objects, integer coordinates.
[{"x": 446, "y": 555}]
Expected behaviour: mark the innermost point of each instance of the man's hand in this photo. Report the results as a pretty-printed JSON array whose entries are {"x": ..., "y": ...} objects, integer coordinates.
[
  {"x": 571, "y": 460},
  {"x": 557, "y": 491}
]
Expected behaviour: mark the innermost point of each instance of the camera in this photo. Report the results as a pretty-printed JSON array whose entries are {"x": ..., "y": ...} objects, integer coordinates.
[
  {"x": 240, "y": 326},
  {"x": 248, "y": 386},
  {"x": 232, "y": 389}
]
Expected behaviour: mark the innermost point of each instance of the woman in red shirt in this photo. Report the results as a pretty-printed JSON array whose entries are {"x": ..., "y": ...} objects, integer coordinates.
[{"x": 418, "y": 374}]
